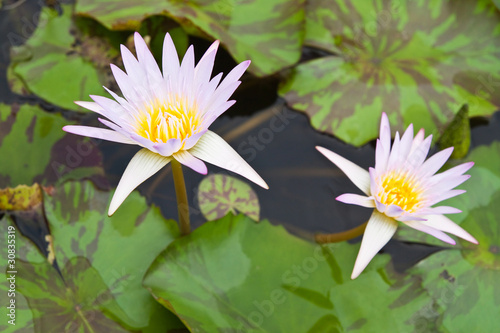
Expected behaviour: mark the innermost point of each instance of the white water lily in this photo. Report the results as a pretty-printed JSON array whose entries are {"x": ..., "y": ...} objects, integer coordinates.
[
  {"x": 168, "y": 114},
  {"x": 403, "y": 187}
]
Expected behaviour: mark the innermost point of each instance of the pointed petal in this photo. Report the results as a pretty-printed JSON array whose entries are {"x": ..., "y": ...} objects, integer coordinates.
[
  {"x": 434, "y": 199},
  {"x": 418, "y": 153},
  {"x": 213, "y": 149},
  {"x": 92, "y": 106},
  {"x": 394, "y": 211},
  {"x": 170, "y": 59},
  {"x": 168, "y": 148},
  {"x": 394, "y": 161},
  {"x": 406, "y": 143},
  {"x": 417, "y": 225},
  {"x": 385, "y": 132},
  {"x": 143, "y": 165},
  {"x": 98, "y": 133},
  {"x": 381, "y": 157},
  {"x": 356, "y": 199},
  {"x": 204, "y": 68},
  {"x": 439, "y": 210},
  {"x": 435, "y": 162},
  {"x": 146, "y": 59},
  {"x": 443, "y": 223},
  {"x": 378, "y": 232},
  {"x": 190, "y": 161},
  {"x": 356, "y": 174}
]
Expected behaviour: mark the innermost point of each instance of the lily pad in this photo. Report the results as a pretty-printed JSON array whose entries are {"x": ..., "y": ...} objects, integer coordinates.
[
  {"x": 481, "y": 187},
  {"x": 49, "y": 155},
  {"x": 236, "y": 275},
  {"x": 419, "y": 61},
  {"x": 96, "y": 281},
  {"x": 220, "y": 194},
  {"x": 464, "y": 282},
  {"x": 55, "y": 63},
  {"x": 24, "y": 251},
  {"x": 269, "y": 32}
]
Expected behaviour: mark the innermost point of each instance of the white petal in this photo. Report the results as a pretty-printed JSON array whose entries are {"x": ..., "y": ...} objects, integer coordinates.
[
  {"x": 443, "y": 223},
  {"x": 434, "y": 199},
  {"x": 356, "y": 174},
  {"x": 168, "y": 148},
  {"x": 99, "y": 133},
  {"x": 418, "y": 225},
  {"x": 213, "y": 149},
  {"x": 204, "y": 68},
  {"x": 143, "y": 165},
  {"x": 406, "y": 143},
  {"x": 170, "y": 59},
  {"x": 394, "y": 161},
  {"x": 381, "y": 157},
  {"x": 385, "y": 132},
  {"x": 92, "y": 106},
  {"x": 435, "y": 162},
  {"x": 418, "y": 153},
  {"x": 452, "y": 173},
  {"x": 146, "y": 59},
  {"x": 378, "y": 232},
  {"x": 235, "y": 74},
  {"x": 356, "y": 199},
  {"x": 190, "y": 161},
  {"x": 440, "y": 210},
  {"x": 394, "y": 211}
]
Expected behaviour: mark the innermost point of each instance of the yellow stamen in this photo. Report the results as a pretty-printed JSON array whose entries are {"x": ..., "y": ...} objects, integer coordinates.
[
  {"x": 401, "y": 190},
  {"x": 160, "y": 122}
]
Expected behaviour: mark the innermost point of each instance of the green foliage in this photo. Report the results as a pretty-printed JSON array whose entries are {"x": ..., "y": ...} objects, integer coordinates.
[
  {"x": 56, "y": 65},
  {"x": 96, "y": 284},
  {"x": 269, "y": 32},
  {"x": 419, "y": 61},
  {"x": 221, "y": 194},
  {"x": 235, "y": 275}
]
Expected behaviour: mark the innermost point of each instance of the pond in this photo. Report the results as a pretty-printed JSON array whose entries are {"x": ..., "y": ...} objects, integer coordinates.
[{"x": 322, "y": 74}]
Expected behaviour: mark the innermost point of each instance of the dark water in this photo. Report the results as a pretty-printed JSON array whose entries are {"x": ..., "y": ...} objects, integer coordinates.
[{"x": 278, "y": 143}]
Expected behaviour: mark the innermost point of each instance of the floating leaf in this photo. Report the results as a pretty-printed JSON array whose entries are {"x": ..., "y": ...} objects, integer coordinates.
[
  {"x": 419, "y": 61},
  {"x": 269, "y": 32},
  {"x": 220, "y": 194},
  {"x": 465, "y": 282},
  {"x": 101, "y": 261},
  {"x": 24, "y": 251},
  {"x": 49, "y": 155},
  {"x": 20, "y": 198},
  {"x": 457, "y": 134},
  {"x": 236, "y": 275},
  {"x": 55, "y": 64}
]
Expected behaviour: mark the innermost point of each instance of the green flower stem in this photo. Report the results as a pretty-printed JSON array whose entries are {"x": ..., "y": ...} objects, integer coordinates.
[
  {"x": 182, "y": 201},
  {"x": 341, "y": 236}
]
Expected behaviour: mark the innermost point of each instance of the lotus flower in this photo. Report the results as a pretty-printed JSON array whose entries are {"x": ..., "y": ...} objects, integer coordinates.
[
  {"x": 403, "y": 187},
  {"x": 168, "y": 114}
]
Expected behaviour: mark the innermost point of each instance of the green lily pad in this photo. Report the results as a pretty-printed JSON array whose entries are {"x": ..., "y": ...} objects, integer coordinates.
[
  {"x": 97, "y": 282},
  {"x": 58, "y": 64},
  {"x": 464, "y": 282},
  {"x": 24, "y": 251},
  {"x": 419, "y": 61},
  {"x": 269, "y": 32},
  {"x": 220, "y": 194},
  {"x": 481, "y": 187},
  {"x": 49, "y": 155},
  {"x": 237, "y": 275}
]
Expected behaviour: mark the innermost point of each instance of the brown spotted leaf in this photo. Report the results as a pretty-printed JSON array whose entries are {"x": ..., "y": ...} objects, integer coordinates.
[
  {"x": 418, "y": 61},
  {"x": 269, "y": 32},
  {"x": 220, "y": 194}
]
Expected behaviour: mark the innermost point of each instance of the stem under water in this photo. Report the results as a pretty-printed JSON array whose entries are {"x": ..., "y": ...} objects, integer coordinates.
[
  {"x": 341, "y": 236},
  {"x": 182, "y": 201}
]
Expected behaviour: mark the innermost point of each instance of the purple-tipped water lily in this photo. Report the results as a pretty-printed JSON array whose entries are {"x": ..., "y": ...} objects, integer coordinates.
[
  {"x": 403, "y": 187},
  {"x": 167, "y": 113}
]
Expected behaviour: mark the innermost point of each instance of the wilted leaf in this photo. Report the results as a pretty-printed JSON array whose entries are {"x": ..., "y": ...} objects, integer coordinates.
[
  {"x": 220, "y": 194},
  {"x": 268, "y": 32},
  {"x": 419, "y": 61},
  {"x": 236, "y": 275},
  {"x": 21, "y": 198}
]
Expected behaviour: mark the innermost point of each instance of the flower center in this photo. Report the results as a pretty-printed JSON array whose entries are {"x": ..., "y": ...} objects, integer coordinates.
[
  {"x": 401, "y": 190},
  {"x": 160, "y": 122}
]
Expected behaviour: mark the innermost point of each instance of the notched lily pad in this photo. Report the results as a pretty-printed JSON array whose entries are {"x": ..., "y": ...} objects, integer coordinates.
[
  {"x": 220, "y": 194},
  {"x": 269, "y": 32},
  {"x": 409, "y": 59},
  {"x": 237, "y": 275}
]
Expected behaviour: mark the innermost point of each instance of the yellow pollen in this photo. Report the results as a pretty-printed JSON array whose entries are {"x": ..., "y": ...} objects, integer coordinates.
[
  {"x": 160, "y": 122},
  {"x": 401, "y": 190}
]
